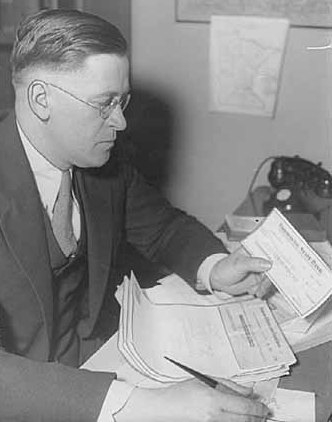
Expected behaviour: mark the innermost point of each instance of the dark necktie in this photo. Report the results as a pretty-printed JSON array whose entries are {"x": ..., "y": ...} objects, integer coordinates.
[{"x": 62, "y": 216}]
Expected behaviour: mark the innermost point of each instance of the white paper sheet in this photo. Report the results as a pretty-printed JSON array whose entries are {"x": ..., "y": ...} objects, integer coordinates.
[
  {"x": 293, "y": 406},
  {"x": 298, "y": 272}
]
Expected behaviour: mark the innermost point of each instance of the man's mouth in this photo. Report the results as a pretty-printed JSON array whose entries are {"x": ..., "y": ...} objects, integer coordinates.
[{"x": 109, "y": 140}]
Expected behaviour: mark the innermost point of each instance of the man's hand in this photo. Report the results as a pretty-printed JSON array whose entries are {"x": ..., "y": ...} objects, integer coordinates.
[
  {"x": 192, "y": 401},
  {"x": 239, "y": 273}
]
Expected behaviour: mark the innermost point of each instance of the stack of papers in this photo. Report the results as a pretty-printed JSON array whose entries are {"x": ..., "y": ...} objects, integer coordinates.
[{"x": 236, "y": 340}]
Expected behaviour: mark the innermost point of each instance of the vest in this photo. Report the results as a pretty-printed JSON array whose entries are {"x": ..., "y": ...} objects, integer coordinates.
[{"x": 70, "y": 285}]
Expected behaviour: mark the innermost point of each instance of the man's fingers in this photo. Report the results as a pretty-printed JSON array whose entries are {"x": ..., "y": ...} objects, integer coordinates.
[
  {"x": 247, "y": 285},
  {"x": 244, "y": 409},
  {"x": 230, "y": 274},
  {"x": 254, "y": 265},
  {"x": 264, "y": 287},
  {"x": 245, "y": 263}
]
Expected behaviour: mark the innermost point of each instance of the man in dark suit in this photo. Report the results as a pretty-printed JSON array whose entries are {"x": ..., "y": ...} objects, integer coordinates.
[{"x": 67, "y": 205}]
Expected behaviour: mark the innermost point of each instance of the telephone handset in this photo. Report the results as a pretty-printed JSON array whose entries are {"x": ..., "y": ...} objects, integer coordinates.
[{"x": 292, "y": 178}]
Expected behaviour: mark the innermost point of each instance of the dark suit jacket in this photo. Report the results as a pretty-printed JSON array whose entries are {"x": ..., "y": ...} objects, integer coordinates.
[{"x": 118, "y": 204}]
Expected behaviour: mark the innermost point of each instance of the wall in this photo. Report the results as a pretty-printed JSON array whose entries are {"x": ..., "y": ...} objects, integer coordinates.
[
  {"x": 211, "y": 157},
  {"x": 6, "y": 92},
  {"x": 115, "y": 11}
]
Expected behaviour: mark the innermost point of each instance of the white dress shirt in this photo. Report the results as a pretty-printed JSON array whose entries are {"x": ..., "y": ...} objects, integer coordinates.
[{"x": 48, "y": 179}]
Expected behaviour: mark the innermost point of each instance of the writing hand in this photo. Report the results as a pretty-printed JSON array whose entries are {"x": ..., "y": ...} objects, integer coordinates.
[{"x": 191, "y": 401}]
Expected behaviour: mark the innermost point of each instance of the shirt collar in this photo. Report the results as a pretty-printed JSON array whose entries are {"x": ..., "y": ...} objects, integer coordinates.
[{"x": 47, "y": 176}]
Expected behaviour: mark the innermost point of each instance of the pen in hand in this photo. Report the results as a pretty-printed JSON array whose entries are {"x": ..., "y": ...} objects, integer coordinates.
[{"x": 219, "y": 385}]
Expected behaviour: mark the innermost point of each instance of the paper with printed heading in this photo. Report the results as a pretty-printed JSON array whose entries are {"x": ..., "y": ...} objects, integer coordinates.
[
  {"x": 298, "y": 272},
  {"x": 246, "y": 55},
  {"x": 254, "y": 335}
]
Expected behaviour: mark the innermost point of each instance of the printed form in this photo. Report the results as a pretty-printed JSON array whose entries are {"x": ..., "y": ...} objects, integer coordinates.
[{"x": 298, "y": 272}]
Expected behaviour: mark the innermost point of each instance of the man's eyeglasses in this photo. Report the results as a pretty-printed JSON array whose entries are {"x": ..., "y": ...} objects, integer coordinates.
[{"x": 104, "y": 110}]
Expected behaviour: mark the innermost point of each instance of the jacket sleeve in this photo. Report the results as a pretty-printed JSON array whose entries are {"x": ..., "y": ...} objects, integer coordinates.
[
  {"x": 32, "y": 391},
  {"x": 164, "y": 233}
]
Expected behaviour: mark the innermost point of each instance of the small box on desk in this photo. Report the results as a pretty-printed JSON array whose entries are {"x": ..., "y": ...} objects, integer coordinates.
[{"x": 237, "y": 227}]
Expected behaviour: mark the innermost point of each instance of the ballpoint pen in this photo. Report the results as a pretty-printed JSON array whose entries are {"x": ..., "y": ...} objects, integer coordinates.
[{"x": 211, "y": 382}]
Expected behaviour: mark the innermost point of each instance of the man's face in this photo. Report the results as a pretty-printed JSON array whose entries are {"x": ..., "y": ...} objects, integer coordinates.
[{"x": 78, "y": 135}]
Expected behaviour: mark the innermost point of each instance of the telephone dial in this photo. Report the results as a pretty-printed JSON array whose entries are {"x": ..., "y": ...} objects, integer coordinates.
[{"x": 293, "y": 181}]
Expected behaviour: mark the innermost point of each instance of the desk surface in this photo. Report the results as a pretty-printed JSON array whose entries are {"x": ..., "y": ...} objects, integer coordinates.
[{"x": 313, "y": 371}]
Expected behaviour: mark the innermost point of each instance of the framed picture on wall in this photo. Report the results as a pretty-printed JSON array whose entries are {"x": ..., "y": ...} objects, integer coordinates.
[
  {"x": 60, "y": 4},
  {"x": 309, "y": 13}
]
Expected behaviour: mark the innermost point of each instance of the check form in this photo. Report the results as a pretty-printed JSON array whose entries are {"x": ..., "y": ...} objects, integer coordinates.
[
  {"x": 298, "y": 272},
  {"x": 254, "y": 335}
]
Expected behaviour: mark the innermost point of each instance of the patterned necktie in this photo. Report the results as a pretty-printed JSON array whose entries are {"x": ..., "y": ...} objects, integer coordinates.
[{"x": 62, "y": 216}]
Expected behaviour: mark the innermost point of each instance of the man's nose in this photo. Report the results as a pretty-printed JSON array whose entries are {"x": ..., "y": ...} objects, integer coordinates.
[{"x": 117, "y": 119}]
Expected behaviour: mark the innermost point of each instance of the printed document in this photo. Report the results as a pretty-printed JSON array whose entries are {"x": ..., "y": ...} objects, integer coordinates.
[{"x": 298, "y": 272}]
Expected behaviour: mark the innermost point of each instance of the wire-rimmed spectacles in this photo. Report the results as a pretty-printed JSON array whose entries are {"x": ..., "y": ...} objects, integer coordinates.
[{"x": 104, "y": 110}]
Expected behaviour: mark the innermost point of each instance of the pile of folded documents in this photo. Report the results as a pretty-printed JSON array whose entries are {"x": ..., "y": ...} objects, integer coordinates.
[{"x": 239, "y": 340}]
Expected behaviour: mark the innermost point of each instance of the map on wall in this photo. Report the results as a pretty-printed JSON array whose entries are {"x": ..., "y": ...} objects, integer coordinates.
[
  {"x": 246, "y": 55},
  {"x": 299, "y": 12}
]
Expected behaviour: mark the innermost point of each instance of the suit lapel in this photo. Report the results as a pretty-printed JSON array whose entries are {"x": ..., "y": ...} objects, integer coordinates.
[{"x": 21, "y": 218}]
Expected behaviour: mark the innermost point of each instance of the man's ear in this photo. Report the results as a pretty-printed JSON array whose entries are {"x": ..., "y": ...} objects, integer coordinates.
[{"x": 38, "y": 99}]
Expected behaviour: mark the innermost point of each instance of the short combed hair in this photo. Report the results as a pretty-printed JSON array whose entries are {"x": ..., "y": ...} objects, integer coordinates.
[{"x": 61, "y": 39}]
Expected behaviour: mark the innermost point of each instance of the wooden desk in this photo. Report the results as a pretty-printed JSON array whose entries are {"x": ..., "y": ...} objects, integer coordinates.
[{"x": 313, "y": 371}]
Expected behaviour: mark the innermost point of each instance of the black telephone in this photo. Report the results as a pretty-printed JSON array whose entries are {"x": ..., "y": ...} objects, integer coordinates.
[{"x": 297, "y": 184}]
